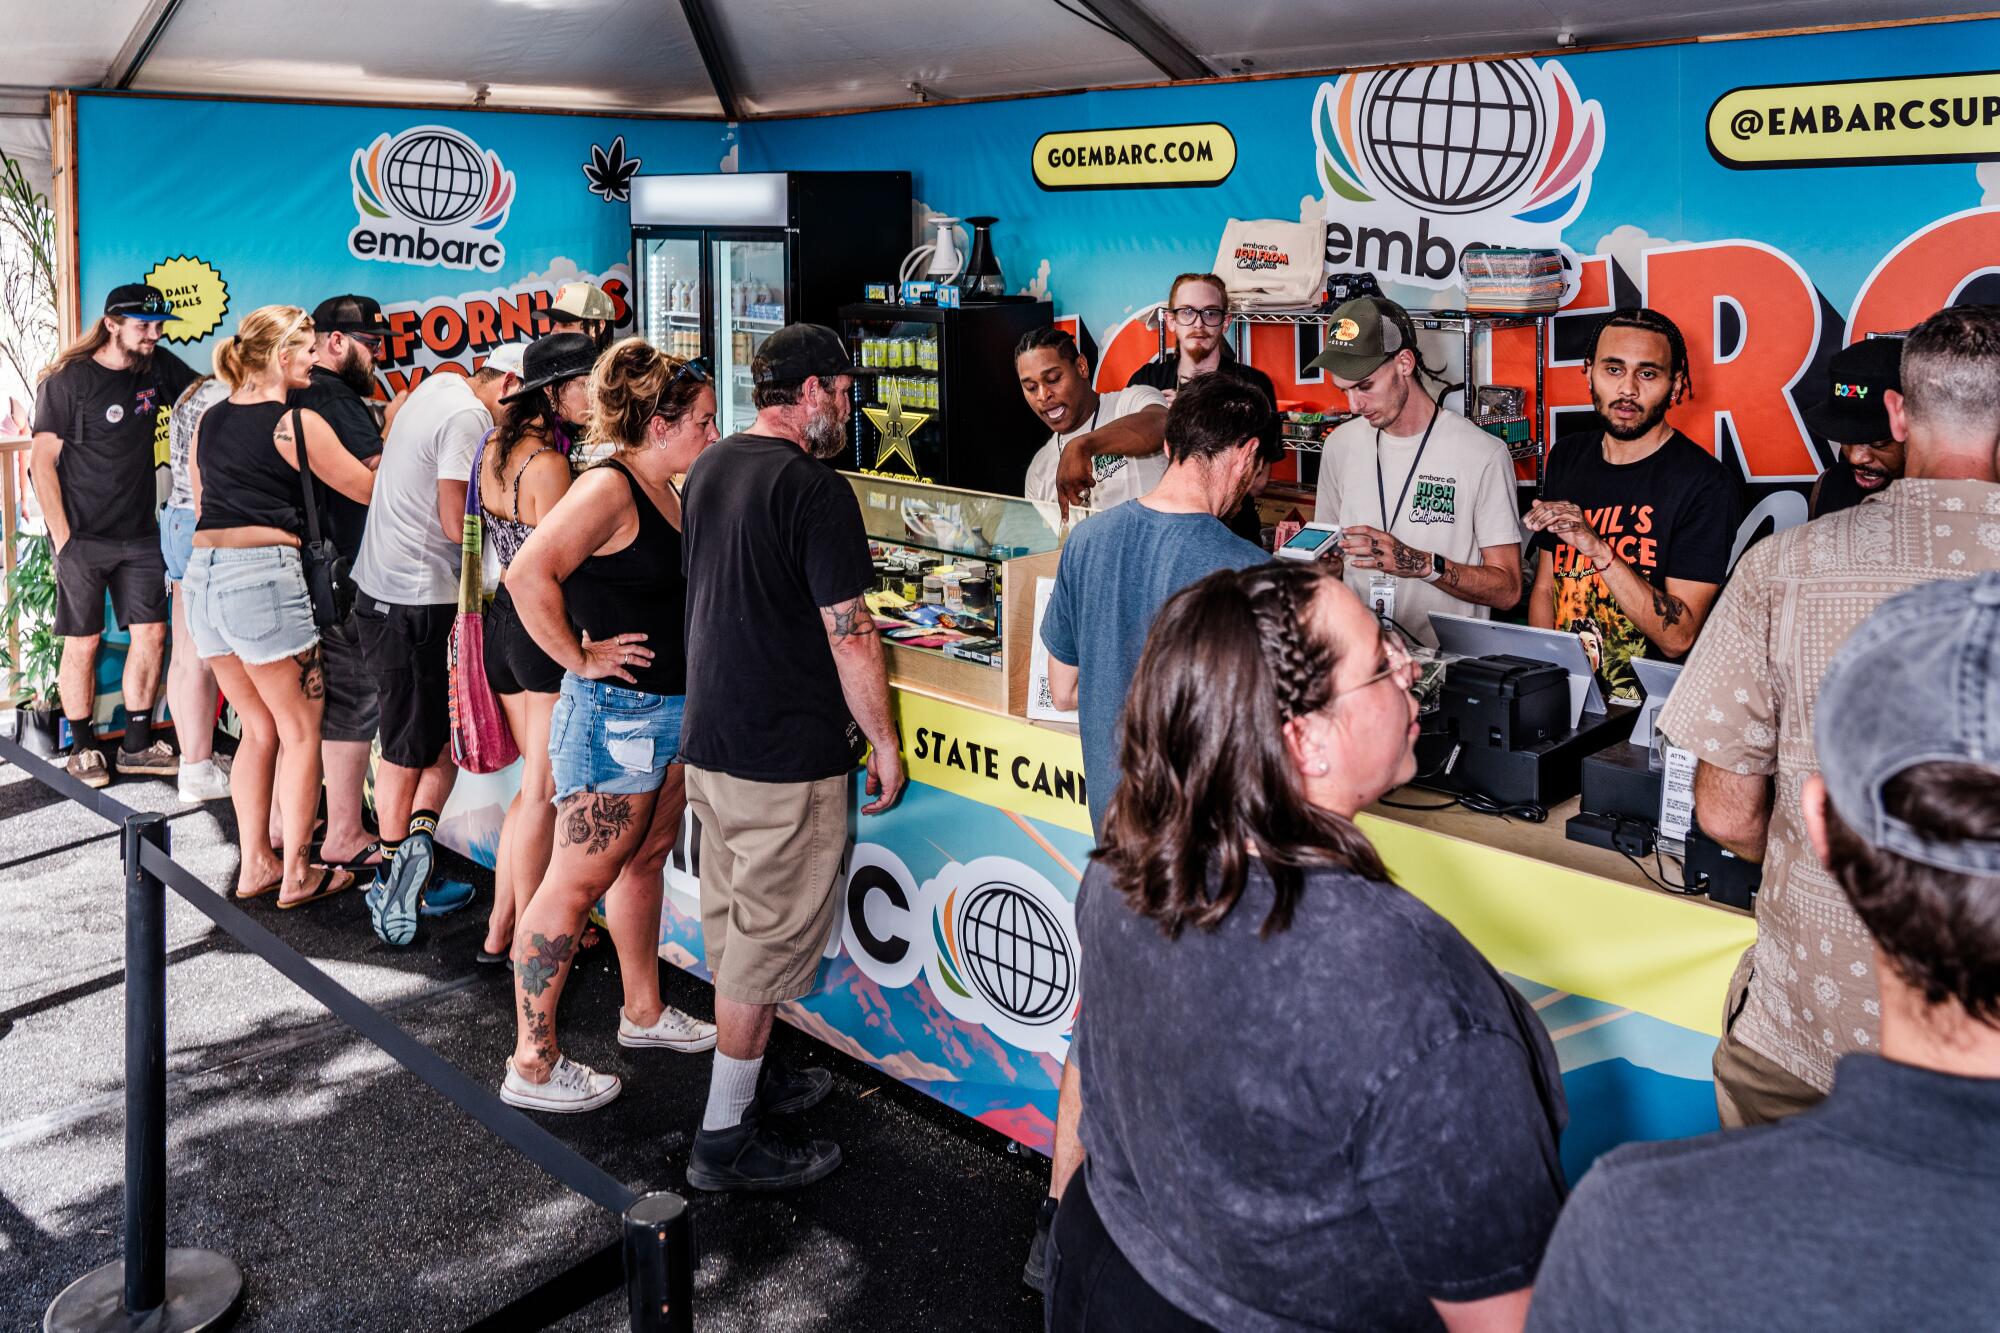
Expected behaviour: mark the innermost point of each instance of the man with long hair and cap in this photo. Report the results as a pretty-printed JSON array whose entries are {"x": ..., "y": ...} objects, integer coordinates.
[
  {"x": 583, "y": 307},
  {"x": 99, "y": 411}
]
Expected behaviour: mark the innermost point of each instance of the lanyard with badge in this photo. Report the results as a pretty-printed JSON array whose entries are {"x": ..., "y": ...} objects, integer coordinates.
[{"x": 1381, "y": 584}]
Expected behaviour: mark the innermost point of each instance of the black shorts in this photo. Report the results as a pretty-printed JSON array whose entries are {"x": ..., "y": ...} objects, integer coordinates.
[
  {"x": 515, "y": 664},
  {"x": 407, "y": 649},
  {"x": 351, "y": 711},
  {"x": 130, "y": 568}
]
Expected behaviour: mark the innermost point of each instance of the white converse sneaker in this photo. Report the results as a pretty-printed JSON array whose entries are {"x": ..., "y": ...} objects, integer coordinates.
[
  {"x": 203, "y": 781},
  {"x": 674, "y": 1031},
  {"x": 571, "y": 1087}
]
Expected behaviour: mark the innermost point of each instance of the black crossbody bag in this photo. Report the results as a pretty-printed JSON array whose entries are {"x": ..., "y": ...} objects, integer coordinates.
[{"x": 328, "y": 580}]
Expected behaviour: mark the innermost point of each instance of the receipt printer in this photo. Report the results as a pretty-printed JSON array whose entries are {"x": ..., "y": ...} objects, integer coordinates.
[{"x": 1506, "y": 732}]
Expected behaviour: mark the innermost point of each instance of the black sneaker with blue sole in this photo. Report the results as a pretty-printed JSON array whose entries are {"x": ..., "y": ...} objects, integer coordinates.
[{"x": 393, "y": 904}]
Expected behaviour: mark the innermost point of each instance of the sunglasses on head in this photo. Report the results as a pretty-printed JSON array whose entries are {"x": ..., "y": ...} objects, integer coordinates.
[{"x": 695, "y": 368}]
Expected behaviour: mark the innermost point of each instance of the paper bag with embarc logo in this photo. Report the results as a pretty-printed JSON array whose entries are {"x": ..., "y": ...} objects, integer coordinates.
[{"x": 1269, "y": 264}]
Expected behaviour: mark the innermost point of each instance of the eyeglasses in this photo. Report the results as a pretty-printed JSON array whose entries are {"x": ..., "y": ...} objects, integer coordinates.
[
  {"x": 1210, "y": 315},
  {"x": 1399, "y": 660},
  {"x": 372, "y": 341}
]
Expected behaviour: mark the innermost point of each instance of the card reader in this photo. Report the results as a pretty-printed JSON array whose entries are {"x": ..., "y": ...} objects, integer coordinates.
[{"x": 1310, "y": 542}]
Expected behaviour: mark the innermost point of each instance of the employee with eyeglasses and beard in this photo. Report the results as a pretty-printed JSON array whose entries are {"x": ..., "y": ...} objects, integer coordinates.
[
  {"x": 1197, "y": 310},
  {"x": 1635, "y": 522}
]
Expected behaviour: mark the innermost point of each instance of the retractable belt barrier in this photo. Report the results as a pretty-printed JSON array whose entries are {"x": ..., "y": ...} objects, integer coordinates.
[{"x": 657, "y": 1243}]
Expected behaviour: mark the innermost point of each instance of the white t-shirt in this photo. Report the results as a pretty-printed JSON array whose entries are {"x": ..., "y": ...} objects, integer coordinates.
[
  {"x": 405, "y": 557},
  {"x": 1460, "y": 500},
  {"x": 1118, "y": 478}
]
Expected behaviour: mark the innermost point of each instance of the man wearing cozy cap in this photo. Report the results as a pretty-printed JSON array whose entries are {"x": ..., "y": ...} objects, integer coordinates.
[
  {"x": 1745, "y": 707},
  {"x": 1424, "y": 498},
  {"x": 349, "y": 334},
  {"x": 581, "y": 307},
  {"x": 1855, "y": 418},
  {"x": 1878, "y": 1208},
  {"x": 786, "y": 687},
  {"x": 100, "y": 428}
]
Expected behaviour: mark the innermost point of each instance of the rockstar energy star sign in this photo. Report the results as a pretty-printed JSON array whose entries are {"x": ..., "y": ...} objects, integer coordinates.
[
  {"x": 1860, "y": 122},
  {"x": 1136, "y": 157}
]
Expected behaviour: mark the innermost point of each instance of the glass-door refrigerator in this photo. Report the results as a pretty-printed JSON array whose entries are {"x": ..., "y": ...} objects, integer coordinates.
[{"x": 724, "y": 260}]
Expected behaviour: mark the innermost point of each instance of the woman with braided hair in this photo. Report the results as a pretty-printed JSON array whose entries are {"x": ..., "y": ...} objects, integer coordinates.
[{"x": 1369, "y": 1138}]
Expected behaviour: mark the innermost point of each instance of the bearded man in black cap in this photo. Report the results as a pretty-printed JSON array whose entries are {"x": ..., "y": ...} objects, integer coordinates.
[
  {"x": 1855, "y": 418},
  {"x": 100, "y": 410},
  {"x": 349, "y": 334}
]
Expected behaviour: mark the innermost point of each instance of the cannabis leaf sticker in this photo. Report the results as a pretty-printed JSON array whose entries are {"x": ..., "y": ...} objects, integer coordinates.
[{"x": 610, "y": 174}]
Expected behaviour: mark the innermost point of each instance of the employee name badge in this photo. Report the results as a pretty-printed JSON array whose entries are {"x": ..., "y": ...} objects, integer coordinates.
[
  {"x": 1676, "y": 792},
  {"x": 1382, "y": 596}
]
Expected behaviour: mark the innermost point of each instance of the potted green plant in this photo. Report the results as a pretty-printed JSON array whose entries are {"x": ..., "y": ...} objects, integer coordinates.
[{"x": 31, "y": 597}]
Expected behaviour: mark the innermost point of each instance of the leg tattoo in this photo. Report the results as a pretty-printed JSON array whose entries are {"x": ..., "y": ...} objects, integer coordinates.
[
  {"x": 312, "y": 681},
  {"x": 544, "y": 957},
  {"x": 593, "y": 821}
]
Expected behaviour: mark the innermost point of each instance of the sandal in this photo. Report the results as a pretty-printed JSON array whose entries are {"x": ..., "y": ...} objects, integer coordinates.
[
  {"x": 331, "y": 881},
  {"x": 316, "y": 855},
  {"x": 241, "y": 895}
]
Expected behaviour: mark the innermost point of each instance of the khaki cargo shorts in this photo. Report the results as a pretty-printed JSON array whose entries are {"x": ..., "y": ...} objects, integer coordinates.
[{"x": 771, "y": 858}]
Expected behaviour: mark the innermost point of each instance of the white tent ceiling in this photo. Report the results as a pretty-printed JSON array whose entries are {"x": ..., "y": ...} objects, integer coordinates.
[{"x": 788, "y": 56}]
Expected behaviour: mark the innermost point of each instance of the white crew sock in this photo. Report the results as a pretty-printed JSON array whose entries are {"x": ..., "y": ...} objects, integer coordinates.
[{"x": 732, "y": 1086}]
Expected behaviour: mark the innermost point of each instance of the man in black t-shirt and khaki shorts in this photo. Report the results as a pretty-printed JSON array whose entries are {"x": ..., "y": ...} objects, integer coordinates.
[
  {"x": 98, "y": 411},
  {"x": 786, "y": 681}
]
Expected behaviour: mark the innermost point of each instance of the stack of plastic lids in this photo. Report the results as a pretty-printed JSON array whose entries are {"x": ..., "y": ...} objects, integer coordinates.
[{"x": 1511, "y": 281}]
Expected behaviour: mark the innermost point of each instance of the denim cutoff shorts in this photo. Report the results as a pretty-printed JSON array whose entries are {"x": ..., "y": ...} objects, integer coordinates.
[
  {"x": 250, "y": 601},
  {"x": 176, "y": 540},
  {"x": 607, "y": 738}
]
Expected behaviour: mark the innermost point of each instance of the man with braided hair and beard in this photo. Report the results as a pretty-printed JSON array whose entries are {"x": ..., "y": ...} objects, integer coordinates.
[
  {"x": 1635, "y": 522},
  {"x": 785, "y": 683}
]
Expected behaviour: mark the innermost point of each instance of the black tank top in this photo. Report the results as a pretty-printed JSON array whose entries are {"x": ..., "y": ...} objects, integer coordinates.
[
  {"x": 245, "y": 481},
  {"x": 638, "y": 590}
]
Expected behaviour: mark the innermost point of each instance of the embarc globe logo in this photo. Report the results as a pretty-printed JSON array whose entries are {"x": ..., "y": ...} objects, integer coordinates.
[
  {"x": 1015, "y": 953},
  {"x": 430, "y": 196},
  {"x": 1419, "y": 163}
]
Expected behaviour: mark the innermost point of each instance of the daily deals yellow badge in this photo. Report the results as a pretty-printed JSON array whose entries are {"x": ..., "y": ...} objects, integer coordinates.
[{"x": 197, "y": 293}]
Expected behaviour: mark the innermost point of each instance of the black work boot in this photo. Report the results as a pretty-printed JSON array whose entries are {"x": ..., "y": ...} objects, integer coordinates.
[
  {"x": 751, "y": 1157},
  {"x": 785, "y": 1091}
]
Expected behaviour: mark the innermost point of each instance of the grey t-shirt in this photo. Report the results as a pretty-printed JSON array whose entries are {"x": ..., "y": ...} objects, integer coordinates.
[
  {"x": 1326, "y": 1128},
  {"x": 1117, "y": 570},
  {"x": 406, "y": 558},
  {"x": 1877, "y": 1209}
]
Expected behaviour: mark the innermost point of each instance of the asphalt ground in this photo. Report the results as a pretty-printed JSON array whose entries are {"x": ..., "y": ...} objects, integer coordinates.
[{"x": 354, "y": 1197}]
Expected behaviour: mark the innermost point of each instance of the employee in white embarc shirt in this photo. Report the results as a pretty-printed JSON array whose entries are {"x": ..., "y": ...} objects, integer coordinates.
[
  {"x": 1107, "y": 448},
  {"x": 1424, "y": 498}
]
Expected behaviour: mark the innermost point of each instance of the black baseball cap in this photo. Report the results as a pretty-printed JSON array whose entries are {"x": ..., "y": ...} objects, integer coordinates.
[
  {"x": 553, "y": 358},
  {"x": 798, "y": 352},
  {"x": 1862, "y": 372},
  {"x": 135, "y": 300},
  {"x": 350, "y": 314}
]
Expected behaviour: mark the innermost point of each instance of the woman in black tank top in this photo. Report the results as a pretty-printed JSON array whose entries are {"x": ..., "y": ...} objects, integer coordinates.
[
  {"x": 599, "y": 587},
  {"x": 522, "y": 476},
  {"x": 248, "y": 611}
]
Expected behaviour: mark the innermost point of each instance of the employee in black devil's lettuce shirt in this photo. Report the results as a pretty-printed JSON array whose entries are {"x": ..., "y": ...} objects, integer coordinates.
[
  {"x": 1856, "y": 419},
  {"x": 1635, "y": 522},
  {"x": 1197, "y": 310},
  {"x": 349, "y": 333},
  {"x": 92, "y": 464}
]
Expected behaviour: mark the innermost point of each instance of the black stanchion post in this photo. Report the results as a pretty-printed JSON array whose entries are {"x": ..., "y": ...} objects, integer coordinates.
[
  {"x": 145, "y": 1070},
  {"x": 168, "y": 1291},
  {"x": 659, "y": 1264}
]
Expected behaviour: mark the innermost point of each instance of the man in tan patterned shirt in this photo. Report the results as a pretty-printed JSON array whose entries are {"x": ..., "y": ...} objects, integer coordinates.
[{"x": 1805, "y": 993}]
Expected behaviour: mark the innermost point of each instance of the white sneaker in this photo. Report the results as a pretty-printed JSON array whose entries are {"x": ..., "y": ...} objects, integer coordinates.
[
  {"x": 674, "y": 1031},
  {"x": 204, "y": 781},
  {"x": 571, "y": 1087}
]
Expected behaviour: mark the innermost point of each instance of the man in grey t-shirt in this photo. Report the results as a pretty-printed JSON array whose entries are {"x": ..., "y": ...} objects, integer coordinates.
[
  {"x": 1118, "y": 568},
  {"x": 408, "y": 580}
]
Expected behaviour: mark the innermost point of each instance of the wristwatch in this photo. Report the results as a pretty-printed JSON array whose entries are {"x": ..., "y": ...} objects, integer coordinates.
[{"x": 1437, "y": 568}]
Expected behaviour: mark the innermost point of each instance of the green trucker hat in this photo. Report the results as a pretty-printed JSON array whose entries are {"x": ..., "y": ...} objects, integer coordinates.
[{"x": 1363, "y": 334}]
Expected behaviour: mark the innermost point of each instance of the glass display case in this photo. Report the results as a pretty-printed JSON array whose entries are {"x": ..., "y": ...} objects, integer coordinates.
[{"x": 954, "y": 587}]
